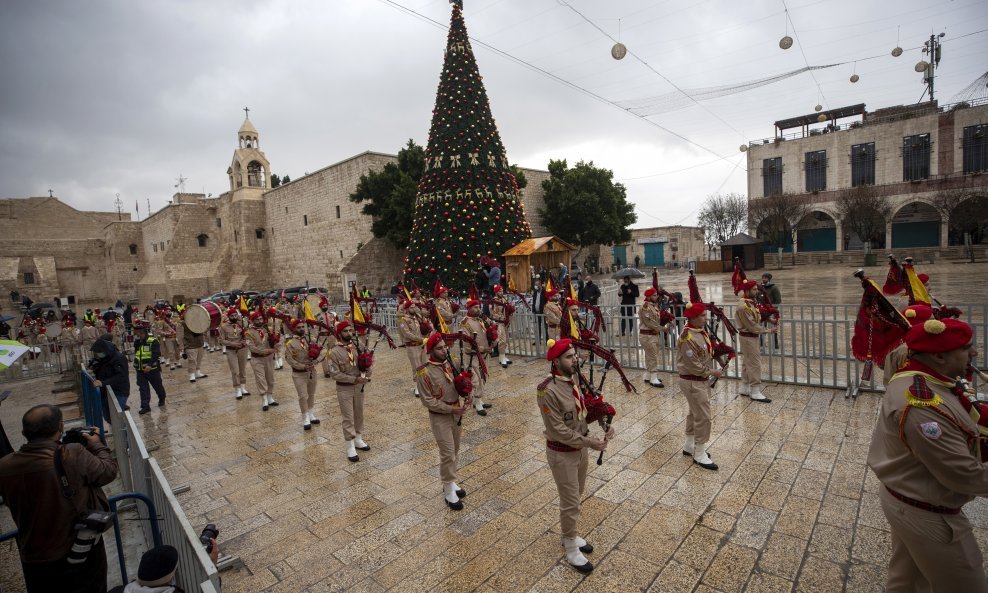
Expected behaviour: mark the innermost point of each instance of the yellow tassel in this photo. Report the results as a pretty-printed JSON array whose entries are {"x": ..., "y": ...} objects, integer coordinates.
[{"x": 916, "y": 402}]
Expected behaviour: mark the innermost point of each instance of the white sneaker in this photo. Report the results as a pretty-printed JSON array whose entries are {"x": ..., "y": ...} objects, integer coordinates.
[
  {"x": 758, "y": 396},
  {"x": 192, "y": 377},
  {"x": 306, "y": 422},
  {"x": 237, "y": 393},
  {"x": 701, "y": 458}
]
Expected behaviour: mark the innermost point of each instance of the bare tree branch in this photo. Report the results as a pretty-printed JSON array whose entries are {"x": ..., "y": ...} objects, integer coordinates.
[
  {"x": 722, "y": 217},
  {"x": 864, "y": 211}
]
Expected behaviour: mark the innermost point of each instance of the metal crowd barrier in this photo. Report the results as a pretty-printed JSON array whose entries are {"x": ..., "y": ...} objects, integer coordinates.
[
  {"x": 812, "y": 347},
  {"x": 141, "y": 474}
]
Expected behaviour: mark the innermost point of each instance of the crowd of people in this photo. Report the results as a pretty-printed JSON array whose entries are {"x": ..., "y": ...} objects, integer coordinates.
[{"x": 927, "y": 448}]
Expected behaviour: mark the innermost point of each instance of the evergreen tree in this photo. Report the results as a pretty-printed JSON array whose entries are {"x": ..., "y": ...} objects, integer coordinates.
[
  {"x": 389, "y": 195},
  {"x": 468, "y": 204}
]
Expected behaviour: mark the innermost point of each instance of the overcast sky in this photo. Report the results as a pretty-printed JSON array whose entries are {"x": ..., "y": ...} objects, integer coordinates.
[{"x": 104, "y": 97}]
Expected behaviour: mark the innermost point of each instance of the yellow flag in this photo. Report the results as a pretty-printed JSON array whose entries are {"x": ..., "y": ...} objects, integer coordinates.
[
  {"x": 574, "y": 332},
  {"x": 511, "y": 283},
  {"x": 242, "y": 305},
  {"x": 408, "y": 295},
  {"x": 442, "y": 324},
  {"x": 358, "y": 315},
  {"x": 307, "y": 311},
  {"x": 917, "y": 288},
  {"x": 572, "y": 291}
]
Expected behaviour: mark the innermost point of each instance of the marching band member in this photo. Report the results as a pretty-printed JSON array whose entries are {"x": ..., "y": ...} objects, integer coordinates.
[
  {"x": 749, "y": 320},
  {"x": 441, "y": 392},
  {"x": 303, "y": 357},
  {"x": 693, "y": 361},
  {"x": 564, "y": 414},
  {"x": 410, "y": 330},
  {"x": 650, "y": 325},
  {"x": 553, "y": 313},
  {"x": 193, "y": 344},
  {"x": 501, "y": 311},
  {"x": 329, "y": 318},
  {"x": 260, "y": 344},
  {"x": 344, "y": 367},
  {"x": 235, "y": 346},
  {"x": 473, "y": 324}
]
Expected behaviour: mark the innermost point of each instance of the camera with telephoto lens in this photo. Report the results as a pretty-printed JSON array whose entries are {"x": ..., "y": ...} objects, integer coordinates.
[
  {"x": 209, "y": 533},
  {"x": 89, "y": 530},
  {"x": 74, "y": 435}
]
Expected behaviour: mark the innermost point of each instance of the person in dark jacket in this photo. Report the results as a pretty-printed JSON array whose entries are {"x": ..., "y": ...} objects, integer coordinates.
[
  {"x": 591, "y": 292},
  {"x": 538, "y": 307},
  {"x": 110, "y": 368},
  {"x": 629, "y": 298}
]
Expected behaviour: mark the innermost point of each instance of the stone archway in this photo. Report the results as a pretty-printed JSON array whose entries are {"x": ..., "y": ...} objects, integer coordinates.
[
  {"x": 817, "y": 231},
  {"x": 969, "y": 217},
  {"x": 256, "y": 176},
  {"x": 916, "y": 224}
]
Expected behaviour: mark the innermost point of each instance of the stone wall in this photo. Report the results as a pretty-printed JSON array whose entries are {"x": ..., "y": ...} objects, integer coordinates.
[
  {"x": 377, "y": 266},
  {"x": 533, "y": 198},
  {"x": 314, "y": 228},
  {"x": 123, "y": 268}
]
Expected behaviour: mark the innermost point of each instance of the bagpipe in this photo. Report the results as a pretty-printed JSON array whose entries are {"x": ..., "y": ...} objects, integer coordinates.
[
  {"x": 463, "y": 375},
  {"x": 767, "y": 311},
  {"x": 878, "y": 328},
  {"x": 593, "y": 399},
  {"x": 904, "y": 280},
  {"x": 722, "y": 352},
  {"x": 665, "y": 315}
]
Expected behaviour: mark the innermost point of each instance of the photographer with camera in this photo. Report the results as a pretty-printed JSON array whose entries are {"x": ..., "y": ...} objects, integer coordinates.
[
  {"x": 53, "y": 487},
  {"x": 156, "y": 573},
  {"x": 110, "y": 369}
]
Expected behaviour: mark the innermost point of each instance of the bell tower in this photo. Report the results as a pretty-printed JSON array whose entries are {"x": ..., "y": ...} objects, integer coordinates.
[{"x": 250, "y": 168}]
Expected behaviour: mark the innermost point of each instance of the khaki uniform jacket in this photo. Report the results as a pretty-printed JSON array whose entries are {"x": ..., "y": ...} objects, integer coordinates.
[
  {"x": 89, "y": 334},
  {"x": 932, "y": 454},
  {"x": 893, "y": 360},
  {"x": 231, "y": 334},
  {"x": 297, "y": 354},
  {"x": 257, "y": 341},
  {"x": 499, "y": 309},
  {"x": 553, "y": 313},
  {"x": 471, "y": 325},
  {"x": 164, "y": 329},
  {"x": 330, "y": 320},
  {"x": 71, "y": 336},
  {"x": 435, "y": 383},
  {"x": 693, "y": 353},
  {"x": 747, "y": 316},
  {"x": 445, "y": 310},
  {"x": 341, "y": 368},
  {"x": 650, "y": 316},
  {"x": 408, "y": 329},
  {"x": 558, "y": 399}
]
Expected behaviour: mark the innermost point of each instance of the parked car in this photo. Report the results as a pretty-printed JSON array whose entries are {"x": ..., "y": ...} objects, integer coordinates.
[{"x": 218, "y": 296}]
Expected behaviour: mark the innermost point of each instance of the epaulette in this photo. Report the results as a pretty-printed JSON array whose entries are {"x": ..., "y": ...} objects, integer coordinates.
[
  {"x": 543, "y": 385},
  {"x": 920, "y": 395},
  {"x": 421, "y": 370}
]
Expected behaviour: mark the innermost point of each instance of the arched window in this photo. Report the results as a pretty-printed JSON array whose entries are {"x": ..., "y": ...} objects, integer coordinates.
[
  {"x": 255, "y": 175},
  {"x": 133, "y": 249},
  {"x": 203, "y": 239}
]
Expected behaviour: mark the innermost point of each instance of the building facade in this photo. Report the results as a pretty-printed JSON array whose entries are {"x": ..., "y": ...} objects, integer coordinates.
[
  {"x": 921, "y": 166},
  {"x": 305, "y": 232}
]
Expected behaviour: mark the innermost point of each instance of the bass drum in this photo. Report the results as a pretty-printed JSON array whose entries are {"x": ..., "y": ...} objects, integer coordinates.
[
  {"x": 202, "y": 317},
  {"x": 53, "y": 329}
]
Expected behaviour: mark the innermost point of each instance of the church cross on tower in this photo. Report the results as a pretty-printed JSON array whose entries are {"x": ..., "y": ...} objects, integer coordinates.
[{"x": 246, "y": 113}]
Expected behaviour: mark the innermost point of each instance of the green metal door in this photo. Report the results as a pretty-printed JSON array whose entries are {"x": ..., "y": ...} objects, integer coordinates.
[
  {"x": 655, "y": 254},
  {"x": 620, "y": 254}
]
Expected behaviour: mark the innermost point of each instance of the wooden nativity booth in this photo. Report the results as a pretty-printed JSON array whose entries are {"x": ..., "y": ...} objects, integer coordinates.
[
  {"x": 748, "y": 248},
  {"x": 538, "y": 252}
]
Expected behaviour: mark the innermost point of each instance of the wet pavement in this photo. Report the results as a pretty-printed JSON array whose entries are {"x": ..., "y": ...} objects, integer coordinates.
[{"x": 793, "y": 507}]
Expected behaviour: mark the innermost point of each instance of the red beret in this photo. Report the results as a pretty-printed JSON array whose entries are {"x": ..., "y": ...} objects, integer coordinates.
[
  {"x": 256, "y": 315},
  {"x": 572, "y": 303},
  {"x": 748, "y": 284},
  {"x": 924, "y": 278},
  {"x": 650, "y": 292},
  {"x": 557, "y": 348},
  {"x": 473, "y": 303},
  {"x": 232, "y": 311},
  {"x": 917, "y": 314},
  {"x": 407, "y": 304},
  {"x": 939, "y": 335},
  {"x": 434, "y": 339},
  {"x": 497, "y": 288},
  {"x": 342, "y": 326},
  {"x": 551, "y": 293},
  {"x": 293, "y": 323},
  {"x": 695, "y": 310}
]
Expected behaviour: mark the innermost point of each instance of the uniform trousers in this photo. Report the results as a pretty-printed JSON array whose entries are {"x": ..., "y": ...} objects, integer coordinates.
[
  {"x": 751, "y": 361},
  {"x": 447, "y": 434},
  {"x": 415, "y": 357},
  {"x": 502, "y": 338},
  {"x": 263, "y": 367},
  {"x": 698, "y": 420},
  {"x": 478, "y": 382},
  {"x": 305, "y": 387},
  {"x": 569, "y": 470},
  {"x": 351, "y": 398},
  {"x": 145, "y": 381},
  {"x": 194, "y": 357},
  {"x": 213, "y": 339},
  {"x": 171, "y": 349},
  {"x": 650, "y": 344},
  {"x": 237, "y": 360},
  {"x": 931, "y": 551}
]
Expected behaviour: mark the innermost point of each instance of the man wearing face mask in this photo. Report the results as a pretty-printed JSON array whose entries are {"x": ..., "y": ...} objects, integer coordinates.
[{"x": 110, "y": 368}]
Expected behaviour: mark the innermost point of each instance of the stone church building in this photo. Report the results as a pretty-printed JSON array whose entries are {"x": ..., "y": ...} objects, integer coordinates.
[{"x": 251, "y": 237}]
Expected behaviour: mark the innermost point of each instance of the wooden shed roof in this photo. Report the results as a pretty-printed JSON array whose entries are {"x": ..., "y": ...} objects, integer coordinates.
[{"x": 530, "y": 246}]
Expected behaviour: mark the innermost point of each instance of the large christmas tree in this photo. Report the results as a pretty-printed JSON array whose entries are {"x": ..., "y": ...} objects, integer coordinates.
[{"x": 468, "y": 205}]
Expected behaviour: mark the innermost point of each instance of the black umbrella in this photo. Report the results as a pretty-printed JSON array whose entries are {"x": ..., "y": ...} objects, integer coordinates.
[{"x": 627, "y": 273}]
